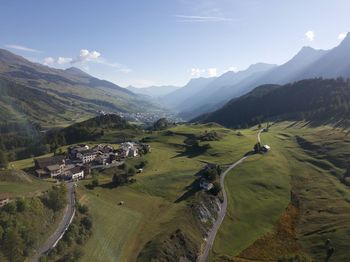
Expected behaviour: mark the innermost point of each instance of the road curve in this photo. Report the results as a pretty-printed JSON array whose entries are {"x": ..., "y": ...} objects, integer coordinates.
[
  {"x": 212, "y": 233},
  {"x": 221, "y": 215},
  {"x": 68, "y": 216}
]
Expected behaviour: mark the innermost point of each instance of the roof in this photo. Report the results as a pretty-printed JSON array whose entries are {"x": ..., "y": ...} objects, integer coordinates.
[
  {"x": 49, "y": 161},
  {"x": 75, "y": 170},
  {"x": 53, "y": 168}
]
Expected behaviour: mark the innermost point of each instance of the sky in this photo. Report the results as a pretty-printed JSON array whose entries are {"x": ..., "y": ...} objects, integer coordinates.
[{"x": 168, "y": 42}]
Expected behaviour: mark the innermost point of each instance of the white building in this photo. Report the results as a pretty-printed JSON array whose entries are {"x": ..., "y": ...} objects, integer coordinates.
[
  {"x": 203, "y": 183},
  {"x": 87, "y": 156}
]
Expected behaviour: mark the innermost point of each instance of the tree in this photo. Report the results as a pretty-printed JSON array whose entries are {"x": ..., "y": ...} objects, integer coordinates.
[
  {"x": 216, "y": 188},
  {"x": 56, "y": 198},
  {"x": 86, "y": 222},
  {"x": 95, "y": 182},
  {"x": 13, "y": 246},
  {"x": 131, "y": 171},
  {"x": 3, "y": 159},
  {"x": 257, "y": 148}
]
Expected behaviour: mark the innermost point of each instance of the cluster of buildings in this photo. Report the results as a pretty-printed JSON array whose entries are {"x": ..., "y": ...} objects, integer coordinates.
[{"x": 81, "y": 158}]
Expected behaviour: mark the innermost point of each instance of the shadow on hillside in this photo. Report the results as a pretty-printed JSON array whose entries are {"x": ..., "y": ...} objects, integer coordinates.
[
  {"x": 192, "y": 189},
  {"x": 193, "y": 151}
]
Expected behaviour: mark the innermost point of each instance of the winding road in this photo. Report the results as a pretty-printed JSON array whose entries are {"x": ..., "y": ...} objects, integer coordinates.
[
  {"x": 68, "y": 216},
  {"x": 212, "y": 233}
]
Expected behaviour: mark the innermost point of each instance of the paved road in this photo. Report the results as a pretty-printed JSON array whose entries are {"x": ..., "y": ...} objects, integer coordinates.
[
  {"x": 212, "y": 233},
  {"x": 222, "y": 213},
  {"x": 68, "y": 216}
]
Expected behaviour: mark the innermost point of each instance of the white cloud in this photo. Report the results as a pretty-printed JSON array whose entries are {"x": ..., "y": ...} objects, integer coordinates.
[
  {"x": 197, "y": 72},
  {"x": 197, "y": 18},
  {"x": 83, "y": 58},
  {"x": 341, "y": 36},
  {"x": 64, "y": 60},
  {"x": 310, "y": 35},
  {"x": 86, "y": 55},
  {"x": 232, "y": 69},
  {"x": 23, "y": 48},
  {"x": 49, "y": 61},
  {"x": 203, "y": 72},
  {"x": 212, "y": 72}
]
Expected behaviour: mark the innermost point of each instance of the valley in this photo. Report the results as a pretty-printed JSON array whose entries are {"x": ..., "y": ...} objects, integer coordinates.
[{"x": 174, "y": 131}]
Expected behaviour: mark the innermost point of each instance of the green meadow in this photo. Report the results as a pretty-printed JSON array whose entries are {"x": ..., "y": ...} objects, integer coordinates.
[{"x": 305, "y": 160}]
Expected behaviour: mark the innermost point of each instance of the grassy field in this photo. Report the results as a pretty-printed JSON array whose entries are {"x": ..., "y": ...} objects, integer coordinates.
[
  {"x": 306, "y": 161},
  {"x": 15, "y": 183},
  {"x": 259, "y": 191},
  {"x": 151, "y": 211}
]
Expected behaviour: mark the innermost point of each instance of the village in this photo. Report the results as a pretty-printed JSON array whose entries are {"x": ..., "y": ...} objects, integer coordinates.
[{"x": 81, "y": 159}]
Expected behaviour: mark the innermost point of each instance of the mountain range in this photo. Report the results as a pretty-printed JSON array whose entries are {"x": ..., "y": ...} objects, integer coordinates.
[
  {"x": 212, "y": 93},
  {"x": 50, "y": 96},
  {"x": 315, "y": 100}
]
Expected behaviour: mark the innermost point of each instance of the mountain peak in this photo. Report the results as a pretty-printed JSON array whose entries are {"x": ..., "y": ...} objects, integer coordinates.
[
  {"x": 346, "y": 40},
  {"x": 260, "y": 67},
  {"x": 76, "y": 71}
]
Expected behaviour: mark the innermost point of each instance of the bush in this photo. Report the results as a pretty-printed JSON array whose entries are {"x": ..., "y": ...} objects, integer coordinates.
[
  {"x": 216, "y": 188},
  {"x": 87, "y": 223},
  {"x": 131, "y": 171},
  {"x": 21, "y": 205},
  {"x": 95, "y": 182},
  {"x": 295, "y": 258},
  {"x": 82, "y": 209},
  {"x": 55, "y": 199},
  {"x": 10, "y": 208}
]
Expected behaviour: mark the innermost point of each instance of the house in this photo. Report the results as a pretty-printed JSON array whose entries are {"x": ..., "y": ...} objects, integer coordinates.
[
  {"x": 133, "y": 152},
  {"x": 73, "y": 151},
  {"x": 4, "y": 200},
  {"x": 265, "y": 148},
  {"x": 103, "y": 148},
  {"x": 55, "y": 170},
  {"x": 86, "y": 156},
  {"x": 75, "y": 173},
  {"x": 128, "y": 149},
  {"x": 103, "y": 159},
  {"x": 49, "y": 166},
  {"x": 203, "y": 183}
]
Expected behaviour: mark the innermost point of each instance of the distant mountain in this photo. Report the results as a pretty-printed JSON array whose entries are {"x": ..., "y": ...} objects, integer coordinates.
[
  {"x": 77, "y": 92},
  {"x": 193, "y": 87},
  {"x": 153, "y": 91},
  {"x": 221, "y": 89},
  {"x": 315, "y": 100},
  {"x": 307, "y": 63}
]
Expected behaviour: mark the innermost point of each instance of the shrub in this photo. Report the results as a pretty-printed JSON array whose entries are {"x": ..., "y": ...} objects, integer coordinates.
[{"x": 216, "y": 188}]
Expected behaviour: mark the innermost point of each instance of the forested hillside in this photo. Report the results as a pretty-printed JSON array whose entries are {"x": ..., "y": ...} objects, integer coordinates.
[{"x": 316, "y": 100}]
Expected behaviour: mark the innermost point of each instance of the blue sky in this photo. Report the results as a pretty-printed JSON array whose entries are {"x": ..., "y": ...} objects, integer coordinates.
[{"x": 160, "y": 42}]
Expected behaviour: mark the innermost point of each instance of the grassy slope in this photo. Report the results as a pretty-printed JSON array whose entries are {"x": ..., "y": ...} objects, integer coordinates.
[
  {"x": 149, "y": 210},
  {"x": 15, "y": 183},
  {"x": 259, "y": 191}
]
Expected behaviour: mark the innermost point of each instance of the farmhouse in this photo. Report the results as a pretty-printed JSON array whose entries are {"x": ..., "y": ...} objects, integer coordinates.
[
  {"x": 265, "y": 148},
  {"x": 86, "y": 156},
  {"x": 74, "y": 173},
  {"x": 73, "y": 151},
  {"x": 4, "y": 201},
  {"x": 203, "y": 183},
  {"x": 49, "y": 166},
  {"x": 128, "y": 149}
]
